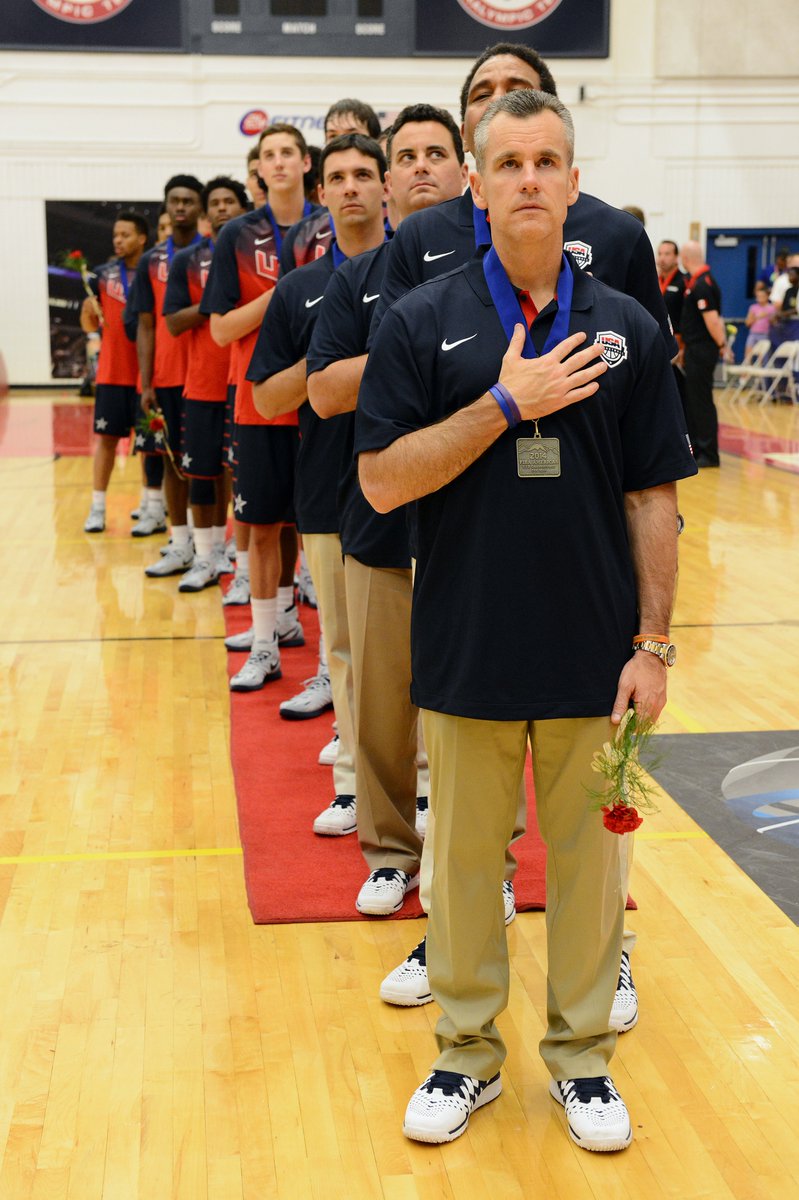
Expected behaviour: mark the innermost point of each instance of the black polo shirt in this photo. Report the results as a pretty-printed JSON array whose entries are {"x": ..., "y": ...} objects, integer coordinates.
[
  {"x": 673, "y": 296},
  {"x": 702, "y": 295},
  {"x": 525, "y": 597},
  {"x": 605, "y": 242},
  {"x": 342, "y": 331},
  {"x": 282, "y": 341}
]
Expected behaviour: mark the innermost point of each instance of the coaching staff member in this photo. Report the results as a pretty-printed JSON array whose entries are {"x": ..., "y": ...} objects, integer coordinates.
[{"x": 576, "y": 512}]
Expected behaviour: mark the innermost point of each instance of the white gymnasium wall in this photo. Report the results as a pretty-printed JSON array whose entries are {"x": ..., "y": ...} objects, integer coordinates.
[{"x": 689, "y": 118}]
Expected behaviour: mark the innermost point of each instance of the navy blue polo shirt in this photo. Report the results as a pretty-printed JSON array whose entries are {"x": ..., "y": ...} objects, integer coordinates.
[
  {"x": 342, "y": 331},
  {"x": 325, "y": 446},
  {"x": 550, "y": 638},
  {"x": 605, "y": 242}
]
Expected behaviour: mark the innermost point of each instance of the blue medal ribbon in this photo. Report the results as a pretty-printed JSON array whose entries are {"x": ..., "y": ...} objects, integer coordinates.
[
  {"x": 123, "y": 275},
  {"x": 482, "y": 230},
  {"x": 170, "y": 246},
  {"x": 307, "y": 209},
  {"x": 509, "y": 309}
]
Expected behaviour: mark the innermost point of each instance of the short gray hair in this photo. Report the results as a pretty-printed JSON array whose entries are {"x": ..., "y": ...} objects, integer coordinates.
[{"x": 522, "y": 103}]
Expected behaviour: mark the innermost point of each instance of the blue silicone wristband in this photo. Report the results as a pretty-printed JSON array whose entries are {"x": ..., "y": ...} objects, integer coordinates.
[{"x": 510, "y": 409}]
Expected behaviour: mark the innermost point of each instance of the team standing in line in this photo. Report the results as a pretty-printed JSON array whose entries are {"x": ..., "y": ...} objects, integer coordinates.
[{"x": 357, "y": 382}]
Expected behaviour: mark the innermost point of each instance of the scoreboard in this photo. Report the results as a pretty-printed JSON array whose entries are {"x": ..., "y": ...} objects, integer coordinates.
[{"x": 351, "y": 28}]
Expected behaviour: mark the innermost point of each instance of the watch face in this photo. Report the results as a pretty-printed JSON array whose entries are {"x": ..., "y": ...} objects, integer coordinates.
[{"x": 671, "y": 656}]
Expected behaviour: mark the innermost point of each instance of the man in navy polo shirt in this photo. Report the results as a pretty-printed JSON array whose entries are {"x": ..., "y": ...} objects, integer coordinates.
[
  {"x": 352, "y": 170},
  {"x": 609, "y": 244},
  {"x": 576, "y": 512}
]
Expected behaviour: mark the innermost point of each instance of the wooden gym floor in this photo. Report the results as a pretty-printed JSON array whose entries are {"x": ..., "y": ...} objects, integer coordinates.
[{"x": 155, "y": 1044}]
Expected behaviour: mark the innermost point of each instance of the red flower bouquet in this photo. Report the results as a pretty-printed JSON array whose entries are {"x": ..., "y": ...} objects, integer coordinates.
[{"x": 627, "y": 792}]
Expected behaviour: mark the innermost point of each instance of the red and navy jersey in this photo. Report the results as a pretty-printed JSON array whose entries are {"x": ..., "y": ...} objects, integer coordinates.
[
  {"x": 147, "y": 296},
  {"x": 306, "y": 241},
  {"x": 342, "y": 331},
  {"x": 117, "y": 363},
  {"x": 605, "y": 242},
  {"x": 208, "y": 366},
  {"x": 325, "y": 446},
  {"x": 246, "y": 264}
]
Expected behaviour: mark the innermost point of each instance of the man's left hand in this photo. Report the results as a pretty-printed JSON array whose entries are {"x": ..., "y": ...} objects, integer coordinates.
[{"x": 642, "y": 683}]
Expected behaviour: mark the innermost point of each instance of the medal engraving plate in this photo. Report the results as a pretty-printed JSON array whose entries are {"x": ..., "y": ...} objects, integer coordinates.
[{"x": 538, "y": 458}]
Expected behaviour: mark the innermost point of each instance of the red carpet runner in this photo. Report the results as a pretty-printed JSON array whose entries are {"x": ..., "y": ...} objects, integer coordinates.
[{"x": 291, "y": 874}]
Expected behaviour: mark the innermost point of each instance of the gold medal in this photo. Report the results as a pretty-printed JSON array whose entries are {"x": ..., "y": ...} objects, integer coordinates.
[{"x": 538, "y": 457}]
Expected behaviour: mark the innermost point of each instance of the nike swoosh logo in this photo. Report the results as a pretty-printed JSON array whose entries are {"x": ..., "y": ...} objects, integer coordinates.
[
  {"x": 369, "y": 299},
  {"x": 260, "y": 241},
  {"x": 320, "y": 233},
  {"x": 445, "y": 345},
  {"x": 428, "y": 257},
  {"x": 311, "y": 303},
  {"x": 207, "y": 264}
]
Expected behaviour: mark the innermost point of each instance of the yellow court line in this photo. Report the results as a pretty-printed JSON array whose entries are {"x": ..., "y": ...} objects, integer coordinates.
[
  {"x": 120, "y": 854},
  {"x": 669, "y": 836},
  {"x": 685, "y": 720}
]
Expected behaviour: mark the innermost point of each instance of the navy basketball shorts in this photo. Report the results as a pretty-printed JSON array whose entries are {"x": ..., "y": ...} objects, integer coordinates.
[
  {"x": 171, "y": 403},
  {"x": 263, "y": 478},
  {"x": 114, "y": 409},
  {"x": 201, "y": 440}
]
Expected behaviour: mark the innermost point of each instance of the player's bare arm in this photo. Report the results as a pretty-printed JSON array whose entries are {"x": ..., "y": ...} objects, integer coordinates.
[
  {"x": 184, "y": 319},
  {"x": 231, "y": 326},
  {"x": 281, "y": 393},
  {"x": 652, "y": 525},
  {"x": 334, "y": 389}
]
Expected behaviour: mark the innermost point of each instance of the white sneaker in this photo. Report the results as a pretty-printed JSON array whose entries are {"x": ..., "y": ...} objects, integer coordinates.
[
  {"x": 509, "y": 900},
  {"x": 439, "y": 1110},
  {"x": 315, "y": 698},
  {"x": 262, "y": 667},
  {"x": 624, "y": 1013},
  {"x": 422, "y": 809},
  {"x": 150, "y": 522},
  {"x": 241, "y": 641},
  {"x": 95, "y": 522},
  {"x": 597, "y": 1115},
  {"x": 289, "y": 630},
  {"x": 136, "y": 514},
  {"x": 338, "y": 819},
  {"x": 223, "y": 564},
  {"x": 407, "y": 985},
  {"x": 306, "y": 592},
  {"x": 177, "y": 560},
  {"x": 238, "y": 592},
  {"x": 384, "y": 891},
  {"x": 329, "y": 753},
  {"x": 202, "y": 575}
]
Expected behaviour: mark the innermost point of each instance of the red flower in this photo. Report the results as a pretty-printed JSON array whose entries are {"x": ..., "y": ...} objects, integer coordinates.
[
  {"x": 156, "y": 424},
  {"x": 621, "y": 818},
  {"x": 75, "y": 254}
]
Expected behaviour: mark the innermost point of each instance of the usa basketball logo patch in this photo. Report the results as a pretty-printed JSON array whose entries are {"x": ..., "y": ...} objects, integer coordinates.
[
  {"x": 581, "y": 252},
  {"x": 82, "y": 12},
  {"x": 614, "y": 347},
  {"x": 509, "y": 14}
]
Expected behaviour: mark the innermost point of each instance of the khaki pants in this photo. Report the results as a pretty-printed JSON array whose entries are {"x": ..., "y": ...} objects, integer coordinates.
[
  {"x": 379, "y": 616},
  {"x": 475, "y": 771},
  {"x": 323, "y": 553}
]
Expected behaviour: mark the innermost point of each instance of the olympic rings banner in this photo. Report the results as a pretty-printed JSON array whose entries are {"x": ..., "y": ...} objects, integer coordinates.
[
  {"x": 93, "y": 24},
  {"x": 556, "y": 28}
]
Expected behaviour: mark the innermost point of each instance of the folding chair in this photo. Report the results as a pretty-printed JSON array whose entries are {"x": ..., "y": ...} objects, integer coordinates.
[
  {"x": 779, "y": 369},
  {"x": 741, "y": 375}
]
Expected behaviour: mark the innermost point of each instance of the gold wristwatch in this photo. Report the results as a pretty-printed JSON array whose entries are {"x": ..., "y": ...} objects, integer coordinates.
[{"x": 665, "y": 650}]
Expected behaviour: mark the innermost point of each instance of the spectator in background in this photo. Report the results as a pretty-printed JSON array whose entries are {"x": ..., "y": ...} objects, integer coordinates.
[
  {"x": 758, "y": 319},
  {"x": 780, "y": 283},
  {"x": 787, "y": 318},
  {"x": 770, "y": 274},
  {"x": 705, "y": 338},
  {"x": 672, "y": 287}
]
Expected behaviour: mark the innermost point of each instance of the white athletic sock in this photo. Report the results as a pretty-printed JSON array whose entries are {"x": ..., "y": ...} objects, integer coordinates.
[
  {"x": 242, "y": 563},
  {"x": 203, "y": 543},
  {"x": 155, "y": 499},
  {"x": 264, "y": 620},
  {"x": 285, "y": 598},
  {"x": 98, "y": 499},
  {"x": 180, "y": 535},
  {"x": 218, "y": 538}
]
